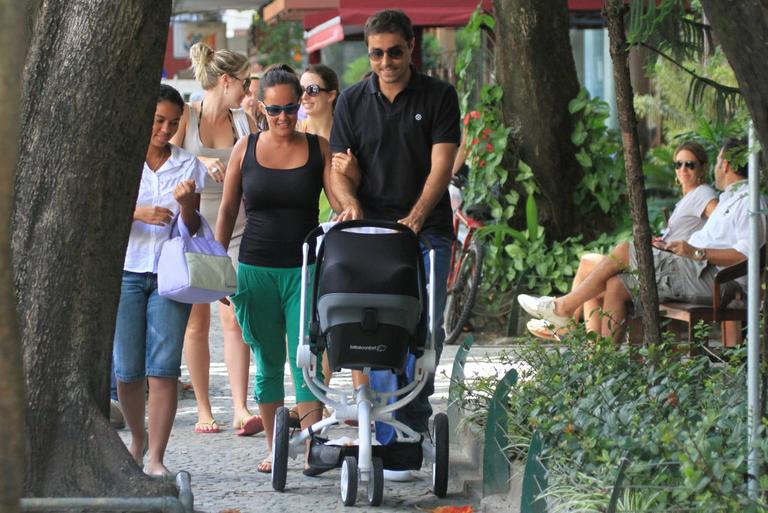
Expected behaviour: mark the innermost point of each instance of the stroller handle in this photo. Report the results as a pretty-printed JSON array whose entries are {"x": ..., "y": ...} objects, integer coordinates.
[{"x": 369, "y": 223}]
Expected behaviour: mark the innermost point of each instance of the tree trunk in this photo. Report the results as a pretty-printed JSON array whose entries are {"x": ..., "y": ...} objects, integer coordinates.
[
  {"x": 614, "y": 15},
  {"x": 742, "y": 29},
  {"x": 12, "y": 40},
  {"x": 535, "y": 67},
  {"x": 89, "y": 92}
]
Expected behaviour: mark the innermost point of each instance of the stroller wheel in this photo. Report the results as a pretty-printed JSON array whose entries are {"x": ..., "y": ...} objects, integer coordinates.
[
  {"x": 440, "y": 466},
  {"x": 376, "y": 482},
  {"x": 280, "y": 449},
  {"x": 349, "y": 481}
]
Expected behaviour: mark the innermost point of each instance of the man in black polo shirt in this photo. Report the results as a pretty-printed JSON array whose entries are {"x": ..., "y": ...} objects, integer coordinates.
[{"x": 394, "y": 139}]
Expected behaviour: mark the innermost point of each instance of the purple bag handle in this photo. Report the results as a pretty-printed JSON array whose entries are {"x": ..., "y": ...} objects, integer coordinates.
[{"x": 179, "y": 228}]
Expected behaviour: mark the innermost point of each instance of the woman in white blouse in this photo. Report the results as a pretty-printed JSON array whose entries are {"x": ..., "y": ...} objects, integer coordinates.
[{"x": 149, "y": 331}]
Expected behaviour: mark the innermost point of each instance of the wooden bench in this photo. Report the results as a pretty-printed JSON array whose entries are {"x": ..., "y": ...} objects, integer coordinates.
[{"x": 692, "y": 313}]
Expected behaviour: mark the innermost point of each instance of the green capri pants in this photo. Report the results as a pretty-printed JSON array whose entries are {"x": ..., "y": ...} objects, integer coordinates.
[{"x": 267, "y": 308}]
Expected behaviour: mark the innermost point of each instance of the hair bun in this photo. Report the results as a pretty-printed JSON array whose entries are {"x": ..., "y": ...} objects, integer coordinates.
[
  {"x": 201, "y": 56},
  {"x": 200, "y": 53}
]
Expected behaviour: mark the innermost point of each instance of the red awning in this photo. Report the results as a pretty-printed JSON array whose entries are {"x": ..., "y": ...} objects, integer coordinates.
[
  {"x": 325, "y": 34},
  {"x": 327, "y": 26},
  {"x": 445, "y": 13}
]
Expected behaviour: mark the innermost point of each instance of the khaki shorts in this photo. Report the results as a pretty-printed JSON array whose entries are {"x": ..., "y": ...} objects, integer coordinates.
[{"x": 677, "y": 278}]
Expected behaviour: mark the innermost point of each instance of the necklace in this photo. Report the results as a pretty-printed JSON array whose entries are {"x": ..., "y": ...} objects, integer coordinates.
[
  {"x": 231, "y": 123},
  {"x": 164, "y": 154}
]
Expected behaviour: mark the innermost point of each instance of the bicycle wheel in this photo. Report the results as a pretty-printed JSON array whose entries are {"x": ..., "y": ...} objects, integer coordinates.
[{"x": 461, "y": 297}]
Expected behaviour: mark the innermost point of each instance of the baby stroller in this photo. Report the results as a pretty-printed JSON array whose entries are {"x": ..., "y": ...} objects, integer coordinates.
[{"x": 368, "y": 312}]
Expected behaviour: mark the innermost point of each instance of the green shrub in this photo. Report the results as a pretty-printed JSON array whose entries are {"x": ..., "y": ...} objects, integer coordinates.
[{"x": 681, "y": 422}]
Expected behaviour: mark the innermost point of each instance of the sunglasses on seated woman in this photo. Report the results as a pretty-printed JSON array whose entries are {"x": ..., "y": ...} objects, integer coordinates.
[
  {"x": 689, "y": 164},
  {"x": 275, "y": 110}
]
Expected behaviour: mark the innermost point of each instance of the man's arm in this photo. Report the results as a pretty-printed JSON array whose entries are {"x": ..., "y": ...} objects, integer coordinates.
[
  {"x": 443, "y": 155},
  {"x": 345, "y": 175},
  {"x": 718, "y": 257}
]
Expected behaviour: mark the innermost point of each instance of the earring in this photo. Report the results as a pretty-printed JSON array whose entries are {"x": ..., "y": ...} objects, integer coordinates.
[{"x": 677, "y": 181}]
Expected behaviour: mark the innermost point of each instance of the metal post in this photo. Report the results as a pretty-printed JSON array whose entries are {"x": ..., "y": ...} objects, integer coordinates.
[
  {"x": 753, "y": 319},
  {"x": 146, "y": 504}
]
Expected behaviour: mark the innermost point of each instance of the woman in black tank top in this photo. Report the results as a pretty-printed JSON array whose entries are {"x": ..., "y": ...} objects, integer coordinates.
[{"x": 279, "y": 175}]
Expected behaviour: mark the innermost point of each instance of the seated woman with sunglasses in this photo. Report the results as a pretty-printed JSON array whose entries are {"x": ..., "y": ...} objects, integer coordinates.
[
  {"x": 209, "y": 129},
  {"x": 279, "y": 174},
  {"x": 690, "y": 214}
]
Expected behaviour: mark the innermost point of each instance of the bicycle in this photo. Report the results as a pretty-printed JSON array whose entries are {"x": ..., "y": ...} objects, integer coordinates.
[{"x": 466, "y": 266}]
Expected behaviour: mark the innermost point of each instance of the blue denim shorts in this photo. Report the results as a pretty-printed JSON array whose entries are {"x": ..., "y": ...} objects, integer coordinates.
[{"x": 149, "y": 333}]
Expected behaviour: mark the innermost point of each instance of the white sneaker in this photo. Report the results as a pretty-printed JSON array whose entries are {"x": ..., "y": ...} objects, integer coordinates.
[
  {"x": 542, "y": 308},
  {"x": 398, "y": 475}
]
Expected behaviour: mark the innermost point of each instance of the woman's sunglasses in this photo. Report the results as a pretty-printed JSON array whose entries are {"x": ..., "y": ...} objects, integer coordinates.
[
  {"x": 396, "y": 52},
  {"x": 275, "y": 110},
  {"x": 689, "y": 164},
  {"x": 314, "y": 90},
  {"x": 246, "y": 82}
]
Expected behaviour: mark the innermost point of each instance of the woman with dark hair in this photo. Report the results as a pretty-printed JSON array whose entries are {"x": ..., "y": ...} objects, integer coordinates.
[
  {"x": 149, "y": 331},
  {"x": 320, "y": 88},
  {"x": 278, "y": 174}
]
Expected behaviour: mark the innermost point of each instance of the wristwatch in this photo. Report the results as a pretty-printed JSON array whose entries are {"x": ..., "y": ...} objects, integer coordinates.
[{"x": 699, "y": 254}]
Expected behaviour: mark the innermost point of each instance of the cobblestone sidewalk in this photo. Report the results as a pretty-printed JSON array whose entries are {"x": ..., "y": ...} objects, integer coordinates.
[{"x": 223, "y": 465}]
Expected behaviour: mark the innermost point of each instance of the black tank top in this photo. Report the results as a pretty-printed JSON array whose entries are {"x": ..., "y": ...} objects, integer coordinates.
[{"x": 281, "y": 207}]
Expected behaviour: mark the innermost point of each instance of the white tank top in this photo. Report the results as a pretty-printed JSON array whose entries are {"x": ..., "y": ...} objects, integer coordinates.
[
  {"x": 193, "y": 144},
  {"x": 210, "y": 198}
]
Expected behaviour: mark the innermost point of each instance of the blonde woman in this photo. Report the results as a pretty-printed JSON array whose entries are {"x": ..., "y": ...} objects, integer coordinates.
[{"x": 209, "y": 129}]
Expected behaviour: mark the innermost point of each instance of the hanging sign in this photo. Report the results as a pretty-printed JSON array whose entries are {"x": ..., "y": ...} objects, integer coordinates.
[{"x": 185, "y": 34}]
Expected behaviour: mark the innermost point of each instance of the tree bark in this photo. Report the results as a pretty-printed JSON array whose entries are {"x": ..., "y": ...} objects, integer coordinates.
[
  {"x": 535, "y": 67},
  {"x": 89, "y": 92},
  {"x": 742, "y": 29},
  {"x": 614, "y": 15},
  {"x": 12, "y": 40}
]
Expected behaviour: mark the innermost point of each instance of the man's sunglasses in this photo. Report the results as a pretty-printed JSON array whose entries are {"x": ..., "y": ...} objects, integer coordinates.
[
  {"x": 275, "y": 110},
  {"x": 314, "y": 90},
  {"x": 689, "y": 164},
  {"x": 396, "y": 52}
]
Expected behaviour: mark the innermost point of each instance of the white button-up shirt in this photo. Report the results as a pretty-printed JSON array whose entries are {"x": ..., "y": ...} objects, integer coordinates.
[
  {"x": 728, "y": 226},
  {"x": 157, "y": 190}
]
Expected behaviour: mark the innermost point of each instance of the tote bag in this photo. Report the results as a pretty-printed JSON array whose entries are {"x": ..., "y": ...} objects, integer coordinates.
[{"x": 194, "y": 269}]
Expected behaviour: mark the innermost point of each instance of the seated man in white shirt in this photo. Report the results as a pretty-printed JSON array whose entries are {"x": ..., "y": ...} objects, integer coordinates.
[{"x": 685, "y": 271}]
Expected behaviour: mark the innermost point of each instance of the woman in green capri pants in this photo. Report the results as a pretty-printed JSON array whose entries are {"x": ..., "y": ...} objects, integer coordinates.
[{"x": 279, "y": 174}]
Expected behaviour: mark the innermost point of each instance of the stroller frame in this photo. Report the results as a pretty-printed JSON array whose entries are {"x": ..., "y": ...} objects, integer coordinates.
[{"x": 360, "y": 463}]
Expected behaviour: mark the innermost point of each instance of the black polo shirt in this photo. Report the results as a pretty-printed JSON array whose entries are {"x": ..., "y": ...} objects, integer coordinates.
[{"x": 393, "y": 144}]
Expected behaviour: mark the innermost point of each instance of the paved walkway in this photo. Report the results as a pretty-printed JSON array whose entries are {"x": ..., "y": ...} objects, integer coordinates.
[{"x": 223, "y": 466}]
